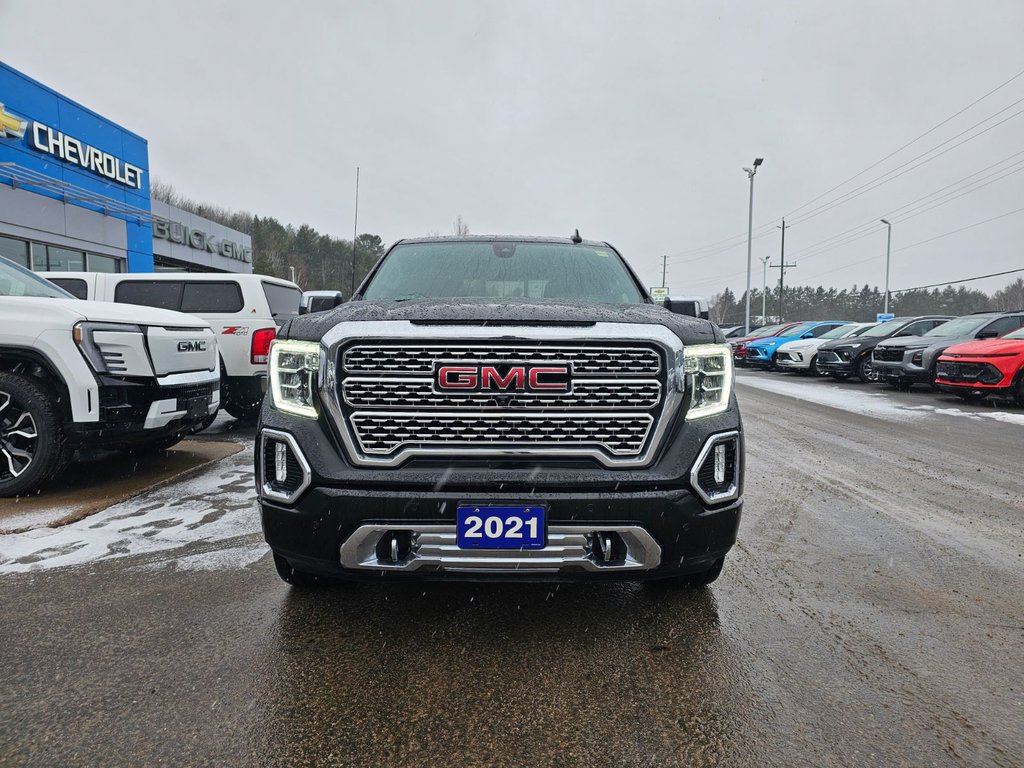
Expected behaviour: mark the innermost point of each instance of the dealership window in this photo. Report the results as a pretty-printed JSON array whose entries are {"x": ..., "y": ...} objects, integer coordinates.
[
  {"x": 64, "y": 260},
  {"x": 97, "y": 263},
  {"x": 163, "y": 294},
  {"x": 212, "y": 297},
  {"x": 15, "y": 250}
]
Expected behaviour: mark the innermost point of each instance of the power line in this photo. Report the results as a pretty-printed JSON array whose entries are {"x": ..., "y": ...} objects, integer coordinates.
[
  {"x": 912, "y": 141},
  {"x": 965, "y": 280},
  {"x": 879, "y": 181},
  {"x": 727, "y": 242}
]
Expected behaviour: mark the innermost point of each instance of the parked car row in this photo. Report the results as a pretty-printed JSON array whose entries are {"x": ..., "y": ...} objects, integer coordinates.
[{"x": 973, "y": 356}]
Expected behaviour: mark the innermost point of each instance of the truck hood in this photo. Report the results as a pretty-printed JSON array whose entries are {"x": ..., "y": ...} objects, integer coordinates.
[
  {"x": 75, "y": 310},
  {"x": 988, "y": 347},
  {"x": 497, "y": 312}
]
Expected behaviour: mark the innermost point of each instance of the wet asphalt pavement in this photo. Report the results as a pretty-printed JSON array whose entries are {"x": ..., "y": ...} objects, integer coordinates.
[{"x": 872, "y": 614}]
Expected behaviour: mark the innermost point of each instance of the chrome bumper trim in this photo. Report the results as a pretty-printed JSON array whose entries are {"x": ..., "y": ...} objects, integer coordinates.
[{"x": 434, "y": 548}]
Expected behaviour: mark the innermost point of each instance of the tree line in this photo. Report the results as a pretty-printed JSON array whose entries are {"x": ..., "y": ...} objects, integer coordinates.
[
  {"x": 319, "y": 261},
  {"x": 861, "y": 303}
]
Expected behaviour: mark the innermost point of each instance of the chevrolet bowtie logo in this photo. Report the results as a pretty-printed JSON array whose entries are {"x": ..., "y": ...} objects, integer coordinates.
[{"x": 10, "y": 125}]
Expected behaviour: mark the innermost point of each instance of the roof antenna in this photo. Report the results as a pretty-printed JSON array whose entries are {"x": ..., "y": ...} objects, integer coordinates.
[{"x": 576, "y": 237}]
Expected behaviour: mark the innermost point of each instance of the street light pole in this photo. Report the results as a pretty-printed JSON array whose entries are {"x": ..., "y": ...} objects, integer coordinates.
[
  {"x": 888, "y": 251},
  {"x": 751, "y": 172},
  {"x": 764, "y": 288},
  {"x": 355, "y": 229}
]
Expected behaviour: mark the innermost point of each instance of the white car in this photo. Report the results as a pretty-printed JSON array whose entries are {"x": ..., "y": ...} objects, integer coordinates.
[
  {"x": 799, "y": 355},
  {"x": 244, "y": 310},
  {"x": 83, "y": 374}
]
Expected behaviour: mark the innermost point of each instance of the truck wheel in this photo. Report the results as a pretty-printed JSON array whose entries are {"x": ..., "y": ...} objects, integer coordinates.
[
  {"x": 866, "y": 371},
  {"x": 32, "y": 443},
  {"x": 1018, "y": 390},
  {"x": 299, "y": 579}
]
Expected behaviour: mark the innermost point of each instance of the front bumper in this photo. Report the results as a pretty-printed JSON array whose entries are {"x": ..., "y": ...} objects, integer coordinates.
[
  {"x": 657, "y": 513},
  {"x": 136, "y": 410},
  {"x": 794, "y": 361},
  {"x": 905, "y": 370},
  {"x": 338, "y": 532}
]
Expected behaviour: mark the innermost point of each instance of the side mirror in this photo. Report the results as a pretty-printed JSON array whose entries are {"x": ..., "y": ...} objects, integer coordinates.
[
  {"x": 808, "y": 335},
  {"x": 691, "y": 306},
  {"x": 319, "y": 301},
  {"x": 988, "y": 335},
  {"x": 901, "y": 334}
]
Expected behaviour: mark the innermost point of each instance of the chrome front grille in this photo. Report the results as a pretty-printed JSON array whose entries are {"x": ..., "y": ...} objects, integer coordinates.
[
  {"x": 404, "y": 393},
  {"x": 384, "y": 433},
  {"x": 391, "y": 406},
  {"x": 420, "y": 358}
]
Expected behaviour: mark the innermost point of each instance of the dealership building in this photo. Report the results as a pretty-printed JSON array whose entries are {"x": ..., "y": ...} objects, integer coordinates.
[{"x": 74, "y": 194}]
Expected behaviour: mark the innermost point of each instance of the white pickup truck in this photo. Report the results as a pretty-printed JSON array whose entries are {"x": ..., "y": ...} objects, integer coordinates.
[
  {"x": 77, "y": 374},
  {"x": 245, "y": 312}
]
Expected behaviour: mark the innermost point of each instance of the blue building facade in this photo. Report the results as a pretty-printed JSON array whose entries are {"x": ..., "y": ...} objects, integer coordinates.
[
  {"x": 71, "y": 182},
  {"x": 75, "y": 194}
]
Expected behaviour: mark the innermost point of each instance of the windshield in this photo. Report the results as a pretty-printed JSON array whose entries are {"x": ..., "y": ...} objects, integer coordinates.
[
  {"x": 766, "y": 332},
  {"x": 503, "y": 269},
  {"x": 885, "y": 329},
  {"x": 961, "y": 326},
  {"x": 18, "y": 281},
  {"x": 1018, "y": 334},
  {"x": 796, "y": 330},
  {"x": 838, "y": 333}
]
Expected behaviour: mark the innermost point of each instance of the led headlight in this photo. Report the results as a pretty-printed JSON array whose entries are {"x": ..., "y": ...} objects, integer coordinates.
[
  {"x": 294, "y": 370},
  {"x": 708, "y": 370},
  {"x": 105, "y": 354}
]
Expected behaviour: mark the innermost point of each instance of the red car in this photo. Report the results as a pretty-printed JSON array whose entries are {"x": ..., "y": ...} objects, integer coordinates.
[
  {"x": 739, "y": 346},
  {"x": 989, "y": 367}
]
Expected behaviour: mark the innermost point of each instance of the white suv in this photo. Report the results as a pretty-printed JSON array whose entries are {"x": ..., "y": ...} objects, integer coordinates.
[
  {"x": 77, "y": 374},
  {"x": 244, "y": 310}
]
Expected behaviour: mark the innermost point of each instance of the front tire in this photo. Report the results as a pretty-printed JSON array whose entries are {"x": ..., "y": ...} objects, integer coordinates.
[
  {"x": 866, "y": 371},
  {"x": 32, "y": 443}
]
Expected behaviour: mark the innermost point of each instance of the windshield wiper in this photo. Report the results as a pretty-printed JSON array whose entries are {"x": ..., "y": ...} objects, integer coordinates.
[{"x": 409, "y": 297}]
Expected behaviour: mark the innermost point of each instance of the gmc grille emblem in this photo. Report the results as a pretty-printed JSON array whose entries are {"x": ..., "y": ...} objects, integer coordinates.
[
  {"x": 191, "y": 346},
  {"x": 502, "y": 377}
]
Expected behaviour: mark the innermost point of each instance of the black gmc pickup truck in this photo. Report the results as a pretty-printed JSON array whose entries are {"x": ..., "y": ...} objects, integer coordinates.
[{"x": 500, "y": 407}]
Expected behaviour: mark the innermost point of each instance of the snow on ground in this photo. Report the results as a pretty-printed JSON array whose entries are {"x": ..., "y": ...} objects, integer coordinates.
[
  {"x": 217, "y": 506},
  {"x": 878, "y": 404}
]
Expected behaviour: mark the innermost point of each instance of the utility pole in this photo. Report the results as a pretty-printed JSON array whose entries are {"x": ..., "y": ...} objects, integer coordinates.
[
  {"x": 888, "y": 251},
  {"x": 664, "y": 266},
  {"x": 751, "y": 172},
  {"x": 764, "y": 288},
  {"x": 782, "y": 264},
  {"x": 355, "y": 228}
]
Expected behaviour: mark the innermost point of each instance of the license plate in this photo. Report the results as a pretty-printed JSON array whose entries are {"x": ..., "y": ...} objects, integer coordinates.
[
  {"x": 197, "y": 406},
  {"x": 513, "y": 527}
]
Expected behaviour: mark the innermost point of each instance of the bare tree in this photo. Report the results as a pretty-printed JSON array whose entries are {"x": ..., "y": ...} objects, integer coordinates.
[{"x": 461, "y": 227}]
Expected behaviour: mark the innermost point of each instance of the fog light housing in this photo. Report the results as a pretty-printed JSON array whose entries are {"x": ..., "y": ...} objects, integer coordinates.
[
  {"x": 715, "y": 476},
  {"x": 285, "y": 473}
]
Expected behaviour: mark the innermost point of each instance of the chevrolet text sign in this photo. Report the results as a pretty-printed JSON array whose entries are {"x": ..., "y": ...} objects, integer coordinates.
[
  {"x": 199, "y": 240},
  {"x": 71, "y": 150}
]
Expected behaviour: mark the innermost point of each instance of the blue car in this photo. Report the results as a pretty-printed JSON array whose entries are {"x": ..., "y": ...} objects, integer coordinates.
[{"x": 761, "y": 352}]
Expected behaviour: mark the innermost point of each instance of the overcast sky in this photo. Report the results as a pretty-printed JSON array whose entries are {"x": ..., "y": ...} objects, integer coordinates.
[{"x": 629, "y": 120}]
